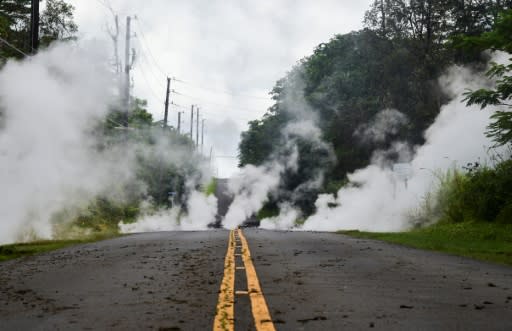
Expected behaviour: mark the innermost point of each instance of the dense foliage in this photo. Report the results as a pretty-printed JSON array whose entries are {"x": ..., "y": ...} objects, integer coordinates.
[
  {"x": 500, "y": 38},
  {"x": 476, "y": 194},
  {"x": 159, "y": 179},
  {"x": 56, "y": 23},
  {"x": 394, "y": 63}
]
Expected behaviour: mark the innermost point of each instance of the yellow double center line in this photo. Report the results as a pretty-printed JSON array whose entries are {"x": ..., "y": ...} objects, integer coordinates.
[{"x": 225, "y": 317}]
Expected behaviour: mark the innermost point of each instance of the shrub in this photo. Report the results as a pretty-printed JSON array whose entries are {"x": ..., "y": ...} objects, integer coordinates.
[{"x": 481, "y": 194}]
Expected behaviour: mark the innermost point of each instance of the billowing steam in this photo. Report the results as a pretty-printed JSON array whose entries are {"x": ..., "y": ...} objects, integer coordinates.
[
  {"x": 201, "y": 213},
  {"x": 252, "y": 187},
  {"x": 387, "y": 122},
  {"x": 387, "y": 194},
  {"x": 387, "y": 197},
  {"x": 49, "y": 160}
]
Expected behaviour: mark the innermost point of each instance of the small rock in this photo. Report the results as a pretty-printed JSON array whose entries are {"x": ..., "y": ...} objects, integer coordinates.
[{"x": 406, "y": 307}]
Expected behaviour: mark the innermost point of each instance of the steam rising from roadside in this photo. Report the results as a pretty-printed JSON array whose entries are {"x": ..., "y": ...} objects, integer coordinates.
[
  {"x": 385, "y": 123},
  {"x": 387, "y": 199},
  {"x": 253, "y": 186},
  {"x": 386, "y": 195},
  {"x": 201, "y": 213},
  {"x": 50, "y": 105},
  {"x": 48, "y": 102}
]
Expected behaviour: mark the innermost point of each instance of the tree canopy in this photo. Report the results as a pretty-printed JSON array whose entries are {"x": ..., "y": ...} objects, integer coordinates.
[
  {"x": 499, "y": 39},
  {"x": 394, "y": 63},
  {"x": 56, "y": 23}
]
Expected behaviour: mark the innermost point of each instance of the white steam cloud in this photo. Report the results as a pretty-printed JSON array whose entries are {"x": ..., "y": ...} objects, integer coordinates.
[
  {"x": 252, "y": 187},
  {"x": 385, "y": 123},
  {"x": 201, "y": 213},
  {"x": 49, "y": 161},
  {"x": 48, "y": 101},
  {"x": 385, "y": 195}
]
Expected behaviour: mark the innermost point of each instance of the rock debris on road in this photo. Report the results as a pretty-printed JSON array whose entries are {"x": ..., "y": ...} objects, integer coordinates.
[{"x": 311, "y": 281}]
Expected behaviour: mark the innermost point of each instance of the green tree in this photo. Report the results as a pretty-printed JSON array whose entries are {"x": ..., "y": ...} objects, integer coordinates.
[
  {"x": 393, "y": 63},
  {"x": 499, "y": 39},
  {"x": 15, "y": 27},
  {"x": 56, "y": 23}
]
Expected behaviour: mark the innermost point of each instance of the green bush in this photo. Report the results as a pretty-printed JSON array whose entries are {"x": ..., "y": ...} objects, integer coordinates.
[
  {"x": 102, "y": 215},
  {"x": 481, "y": 194}
]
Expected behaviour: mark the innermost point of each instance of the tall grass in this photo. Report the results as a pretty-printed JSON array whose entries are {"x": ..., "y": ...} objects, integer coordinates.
[{"x": 476, "y": 194}]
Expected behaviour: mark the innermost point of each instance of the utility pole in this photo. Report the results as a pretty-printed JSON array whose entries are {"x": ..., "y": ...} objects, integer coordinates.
[
  {"x": 197, "y": 129},
  {"x": 34, "y": 27},
  {"x": 202, "y": 135},
  {"x": 179, "y": 122},
  {"x": 166, "y": 114},
  {"x": 127, "y": 68},
  {"x": 192, "y": 123}
]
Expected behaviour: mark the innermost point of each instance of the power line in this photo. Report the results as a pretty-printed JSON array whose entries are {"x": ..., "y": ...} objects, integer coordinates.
[
  {"x": 215, "y": 104},
  {"x": 152, "y": 63},
  {"x": 216, "y": 114},
  {"x": 144, "y": 57},
  {"x": 156, "y": 95},
  {"x": 220, "y": 91},
  {"x": 108, "y": 5},
  {"x": 145, "y": 44},
  {"x": 137, "y": 19},
  {"x": 12, "y": 46}
]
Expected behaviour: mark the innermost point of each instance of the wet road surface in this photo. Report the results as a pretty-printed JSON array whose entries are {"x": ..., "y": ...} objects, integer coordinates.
[{"x": 310, "y": 281}]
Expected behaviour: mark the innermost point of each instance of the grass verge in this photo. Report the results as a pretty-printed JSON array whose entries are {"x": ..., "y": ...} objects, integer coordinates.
[
  {"x": 14, "y": 251},
  {"x": 491, "y": 242}
]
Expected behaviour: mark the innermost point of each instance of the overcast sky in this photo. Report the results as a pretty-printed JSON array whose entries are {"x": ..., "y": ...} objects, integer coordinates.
[{"x": 227, "y": 53}]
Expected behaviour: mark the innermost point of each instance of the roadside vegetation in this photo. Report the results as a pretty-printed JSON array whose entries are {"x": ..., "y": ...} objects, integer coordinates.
[
  {"x": 479, "y": 240},
  {"x": 472, "y": 208},
  {"x": 158, "y": 178},
  {"x": 14, "y": 251},
  {"x": 469, "y": 214},
  {"x": 394, "y": 63}
]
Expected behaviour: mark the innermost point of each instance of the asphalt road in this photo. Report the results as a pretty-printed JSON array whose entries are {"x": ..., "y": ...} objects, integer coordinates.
[{"x": 310, "y": 281}]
